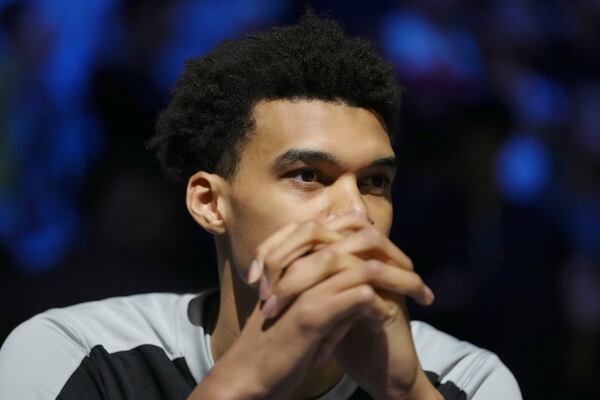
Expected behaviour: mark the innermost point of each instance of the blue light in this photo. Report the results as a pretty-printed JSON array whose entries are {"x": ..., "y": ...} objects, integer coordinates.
[
  {"x": 522, "y": 168},
  {"x": 44, "y": 247},
  {"x": 409, "y": 40},
  {"x": 539, "y": 100},
  {"x": 417, "y": 47},
  {"x": 51, "y": 135},
  {"x": 77, "y": 31},
  {"x": 199, "y": 26}
]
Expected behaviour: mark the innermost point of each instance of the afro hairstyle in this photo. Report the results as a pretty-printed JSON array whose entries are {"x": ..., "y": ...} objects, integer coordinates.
[{"x": 209, "y": 117}]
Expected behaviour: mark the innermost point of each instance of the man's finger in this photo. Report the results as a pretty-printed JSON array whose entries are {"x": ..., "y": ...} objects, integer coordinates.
[
  {"x": 302, "y": 240},
  {"x": 303, "y": 274},
  {"x": 383, "y": 276},
  {"x": 370, "y": 243},
  {"x": 256, "y": 268},
  {"x": 350, "y": 221}
]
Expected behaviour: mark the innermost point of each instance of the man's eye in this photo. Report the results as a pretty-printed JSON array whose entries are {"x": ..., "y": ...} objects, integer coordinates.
[
  {"x": 377, "y": 183},
  {"x": 305, "y": 175}
]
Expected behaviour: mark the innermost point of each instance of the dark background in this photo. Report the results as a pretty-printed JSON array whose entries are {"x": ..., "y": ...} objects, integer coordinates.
[{"x": 497, "y": 200}]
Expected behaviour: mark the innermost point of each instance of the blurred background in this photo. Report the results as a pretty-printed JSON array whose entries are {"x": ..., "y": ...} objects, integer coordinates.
[{"x": 497, "y": 200}]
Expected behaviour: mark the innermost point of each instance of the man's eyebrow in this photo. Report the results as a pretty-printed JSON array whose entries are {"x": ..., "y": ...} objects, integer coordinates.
[
  {"x": 308, "y": 155},
  {"x": 385, "y": 162},
  {"x": 305, "y": 155}
]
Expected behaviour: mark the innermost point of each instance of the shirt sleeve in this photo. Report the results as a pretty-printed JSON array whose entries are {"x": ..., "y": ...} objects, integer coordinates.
[
  {"x": 118, "y": 349},
  {"x": 37, "y": 359},
  {"x": 496, "y": 381},
  {"x": 460, "y": 370}
]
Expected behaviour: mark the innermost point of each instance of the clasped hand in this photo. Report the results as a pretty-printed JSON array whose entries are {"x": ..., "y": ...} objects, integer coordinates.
[{"x": 335, "y": 288}]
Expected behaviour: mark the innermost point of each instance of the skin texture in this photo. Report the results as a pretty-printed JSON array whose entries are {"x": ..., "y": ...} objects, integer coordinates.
[{"x": 333, "y": 286}]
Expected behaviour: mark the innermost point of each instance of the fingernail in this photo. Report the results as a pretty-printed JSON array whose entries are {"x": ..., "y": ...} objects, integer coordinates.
[
  {"x": 254, "y": 272},
  {"x": 429, "y": 296},
  {"x": 270, "y": 307},
  {"x": 264, "y": 288}
]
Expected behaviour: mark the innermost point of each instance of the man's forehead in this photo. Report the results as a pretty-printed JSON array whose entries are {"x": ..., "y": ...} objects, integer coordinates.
[
  {"x": 309, "y": 112},
  {"x": 283, "y": 125}
]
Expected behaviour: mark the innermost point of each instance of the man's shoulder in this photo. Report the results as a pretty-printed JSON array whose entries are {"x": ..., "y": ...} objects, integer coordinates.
[
  {"x": 438, "y": 349},
  {"x": 460, "y": 366},
  {"x": 118, "y": 322},
  {"x": 46, "y": 349}
]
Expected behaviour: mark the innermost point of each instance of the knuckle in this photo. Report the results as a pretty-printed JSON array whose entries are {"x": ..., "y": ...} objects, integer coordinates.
[
  {"x": 365, "y": 294},
  {"x": 373, "y": 268},
  {"x": 328, "y": 256},
  {"x": 311, "y": 227},
  {"x": 307, "y": 320},
  {"x": 269, "y": 261}
]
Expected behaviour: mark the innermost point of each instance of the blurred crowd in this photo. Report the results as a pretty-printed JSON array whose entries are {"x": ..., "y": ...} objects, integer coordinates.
[{"x": 497, "y": 200}]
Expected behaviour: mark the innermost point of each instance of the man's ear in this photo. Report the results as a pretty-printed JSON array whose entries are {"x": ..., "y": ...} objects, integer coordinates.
[{"x": 207, "y": 202}]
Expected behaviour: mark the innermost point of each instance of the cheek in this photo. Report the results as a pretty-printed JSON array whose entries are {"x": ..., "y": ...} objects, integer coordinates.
[
  {"x": 247, "y": 228},
  {"x": 256, "y": 217},
  {"x": 382, "y": 213}
]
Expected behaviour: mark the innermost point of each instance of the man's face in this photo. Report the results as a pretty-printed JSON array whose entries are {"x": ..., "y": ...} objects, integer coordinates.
[{"x": 308, "y": 160}]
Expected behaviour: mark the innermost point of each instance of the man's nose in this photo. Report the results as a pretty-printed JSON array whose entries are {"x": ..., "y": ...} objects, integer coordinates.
[{"x": 349, "y": 198}]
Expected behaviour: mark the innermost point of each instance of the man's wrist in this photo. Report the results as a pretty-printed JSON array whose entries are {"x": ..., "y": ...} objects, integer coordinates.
[
  {"x": 422, "y": 389},
  {"x": 226, "y": 382}
]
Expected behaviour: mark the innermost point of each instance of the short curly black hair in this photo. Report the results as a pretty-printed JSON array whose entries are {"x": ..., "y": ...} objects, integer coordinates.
[{"x": 210, "y": 115}]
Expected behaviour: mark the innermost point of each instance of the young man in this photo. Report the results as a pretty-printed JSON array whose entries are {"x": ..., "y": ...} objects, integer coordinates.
[{"x": 284, "y": 139}]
